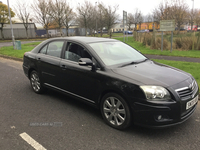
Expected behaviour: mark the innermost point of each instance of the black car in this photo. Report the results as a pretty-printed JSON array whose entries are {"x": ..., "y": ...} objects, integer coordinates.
[{"x": 124, "y": 84}]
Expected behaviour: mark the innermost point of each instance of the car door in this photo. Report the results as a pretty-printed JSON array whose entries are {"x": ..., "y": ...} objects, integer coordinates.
[
  {"x": 78, "y": 80},
  {"x": 48, "y": 62}
]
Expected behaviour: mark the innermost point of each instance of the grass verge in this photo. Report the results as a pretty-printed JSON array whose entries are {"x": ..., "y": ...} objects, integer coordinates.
[
  {"x": 146, "y": 50},
  {"x": 9, "y": 51},
  {"x": 35, "y": 39},
  {"x": 189, "y": 67}
]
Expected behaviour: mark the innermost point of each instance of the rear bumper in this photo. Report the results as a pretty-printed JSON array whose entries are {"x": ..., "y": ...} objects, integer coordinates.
[{"x": 25, "y": 70}]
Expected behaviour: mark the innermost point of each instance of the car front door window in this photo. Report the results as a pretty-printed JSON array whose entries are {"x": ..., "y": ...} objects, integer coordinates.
[{"x": 74, "y": 52}]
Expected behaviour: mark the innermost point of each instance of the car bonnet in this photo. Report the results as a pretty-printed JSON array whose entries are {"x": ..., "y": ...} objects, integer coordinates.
[{"x": 150, "y": 73}]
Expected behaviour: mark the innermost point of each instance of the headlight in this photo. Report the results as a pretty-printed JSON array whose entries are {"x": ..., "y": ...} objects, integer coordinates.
[{"x": 155, "y": 93}]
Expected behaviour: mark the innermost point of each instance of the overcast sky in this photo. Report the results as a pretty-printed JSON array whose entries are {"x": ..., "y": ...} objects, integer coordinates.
[{"x": 146, "y": 6}]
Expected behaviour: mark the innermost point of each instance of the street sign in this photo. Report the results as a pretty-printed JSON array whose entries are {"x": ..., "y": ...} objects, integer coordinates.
[
  {"x": 124, "y": 18},
  {"x": 167, "y": 25}
]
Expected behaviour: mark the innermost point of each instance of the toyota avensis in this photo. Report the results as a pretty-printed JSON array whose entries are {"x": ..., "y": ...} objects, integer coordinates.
[{"x": 124, "y": 84}]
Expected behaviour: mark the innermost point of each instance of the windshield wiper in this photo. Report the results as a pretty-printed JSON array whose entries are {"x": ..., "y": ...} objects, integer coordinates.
[
  {"x": 143, "y": 60},
  {"x": 134, "y": 62},
  {"x": 131, "y": 63}
]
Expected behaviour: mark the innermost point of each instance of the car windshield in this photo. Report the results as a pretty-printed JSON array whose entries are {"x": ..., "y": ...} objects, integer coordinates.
[{"x": 113, "y": 53}]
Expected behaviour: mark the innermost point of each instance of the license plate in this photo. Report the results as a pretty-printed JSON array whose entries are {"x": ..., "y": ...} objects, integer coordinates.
[{"x": 191, "y": 103}]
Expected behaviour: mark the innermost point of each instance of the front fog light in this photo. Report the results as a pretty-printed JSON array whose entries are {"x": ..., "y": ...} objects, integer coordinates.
[{"x": 159, "y": 117}]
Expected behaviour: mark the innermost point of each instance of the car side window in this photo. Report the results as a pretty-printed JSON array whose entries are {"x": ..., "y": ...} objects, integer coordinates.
[
  {"x": 55, "y": 48},
  {"x": 43, "y": 50},
  {"x": 74, "y": 52}
]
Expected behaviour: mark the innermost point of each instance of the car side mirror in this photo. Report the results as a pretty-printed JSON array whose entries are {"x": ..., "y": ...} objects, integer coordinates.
[{"x": 87, "y": 62}]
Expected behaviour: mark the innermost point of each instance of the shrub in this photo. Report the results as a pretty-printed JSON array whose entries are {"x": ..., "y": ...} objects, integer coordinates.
[
  {"x": 187, "y": 43},
  {"x": 147, "y": 39},
  {"x": 158, "y": 44},
  {"x": 178, "y": 43}
]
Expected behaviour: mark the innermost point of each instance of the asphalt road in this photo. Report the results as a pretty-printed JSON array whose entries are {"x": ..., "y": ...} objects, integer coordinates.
[{"x": 58, "y": 122}]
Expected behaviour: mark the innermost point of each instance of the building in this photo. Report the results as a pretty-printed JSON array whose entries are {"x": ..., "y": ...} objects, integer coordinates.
[
  {"x": 19, "y": 31},
  {"x": 119, "y": 28}
]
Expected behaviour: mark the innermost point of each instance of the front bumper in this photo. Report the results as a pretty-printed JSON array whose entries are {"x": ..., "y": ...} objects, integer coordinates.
[
  {"x": 158, "y": 114},
  {"x": 161, "y": 115}
]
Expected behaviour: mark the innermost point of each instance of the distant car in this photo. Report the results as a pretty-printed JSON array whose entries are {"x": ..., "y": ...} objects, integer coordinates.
[
  {"x": 181, "y": 29},
  {"x": 194, "y": 28},
  {"x": 124, "y": 84},
  {"x": 142, "y": 31},
  {"x": 128, "y": 32}
]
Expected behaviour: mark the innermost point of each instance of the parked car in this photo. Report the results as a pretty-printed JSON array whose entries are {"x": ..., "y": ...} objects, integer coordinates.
[
  {"x": 143, "y": 31},
  {"x": 194, "y": 28},
  {"x": 181, "y": 29},
  {"x": 128, "y": 32},
  {"x": 124, "y": 84}
]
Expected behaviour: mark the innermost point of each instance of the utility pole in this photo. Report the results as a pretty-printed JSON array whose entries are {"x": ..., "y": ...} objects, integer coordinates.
[
  {"x": 192, "y": 25},
  {"x": 96, "y": 17},
  {"x": 13, "y": 38},
  {"x": 192, "y": 16}
]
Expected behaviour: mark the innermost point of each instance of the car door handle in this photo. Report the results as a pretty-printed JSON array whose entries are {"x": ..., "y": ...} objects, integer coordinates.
[
  {"x": 38, "y": 58},
  {"x": 63, "y": 67}
]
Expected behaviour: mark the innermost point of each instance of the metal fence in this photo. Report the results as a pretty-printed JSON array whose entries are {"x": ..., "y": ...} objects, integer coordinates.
[
  {"x": 32, "y": 33},
  {"x": 18, "y": 33}
]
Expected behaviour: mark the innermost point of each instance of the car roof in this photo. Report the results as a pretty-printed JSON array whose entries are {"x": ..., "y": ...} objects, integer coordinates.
[
  {"x": 86, "y": 40},
  {"x": 81, "y": 39}
]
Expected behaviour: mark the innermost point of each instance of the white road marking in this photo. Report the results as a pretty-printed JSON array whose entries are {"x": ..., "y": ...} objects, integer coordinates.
[{"x": 31, "y": 141}]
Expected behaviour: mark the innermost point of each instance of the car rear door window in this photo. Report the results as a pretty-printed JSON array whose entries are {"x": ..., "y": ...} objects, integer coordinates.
[
  {"x": 55, "y": 48},
  {"x": 43, "y": 50}
]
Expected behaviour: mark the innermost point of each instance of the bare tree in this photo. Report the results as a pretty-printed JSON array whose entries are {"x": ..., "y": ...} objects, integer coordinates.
[
  {"x": 111, "y": 17},
  {"x": 179, "y": 12},
  {"x": 197, "y": 17},
  {"x": 101, "y": 17},
  {"x": 197, "y": 20},
  {"x": 84, "y": 15},
  {"x": 162, "y": 12},
  {"x": 57, "y": 8},
  {"x": 138, "y": 18},
  {"x": 23, "y": 13},
  {"x": 148, "y": 19},
  {"x": 41, "y": 10},
  {"x": 174, "y": 9},
  {"x": 92, "y": 22},
  {"x": 130, "y": 20},
  {"x": 193, "y": 17},
  {"x": 68, "y": 18}
]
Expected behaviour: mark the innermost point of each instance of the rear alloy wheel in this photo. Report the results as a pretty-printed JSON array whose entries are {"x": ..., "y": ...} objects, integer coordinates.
[
  {"x": 115, "y": 111},
  {"x": 35, "y": 82}
]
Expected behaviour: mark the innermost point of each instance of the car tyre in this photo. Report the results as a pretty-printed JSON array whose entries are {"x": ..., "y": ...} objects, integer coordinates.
[
  {"x": 115, "y": 111},
  {"x": 36, "y": 82}
]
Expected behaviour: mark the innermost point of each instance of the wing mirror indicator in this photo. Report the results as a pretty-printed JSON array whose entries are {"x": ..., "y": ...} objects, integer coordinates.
[{"x": 87, "y": 62}]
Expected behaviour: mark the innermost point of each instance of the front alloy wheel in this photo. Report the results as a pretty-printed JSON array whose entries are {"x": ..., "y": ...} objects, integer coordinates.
[
  {"x": 35, "y": 82},
  {"x": 115, "y": 111}
]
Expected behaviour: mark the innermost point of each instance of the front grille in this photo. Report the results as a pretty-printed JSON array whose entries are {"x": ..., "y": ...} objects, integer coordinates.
[{"x": 187, "y": 92}]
